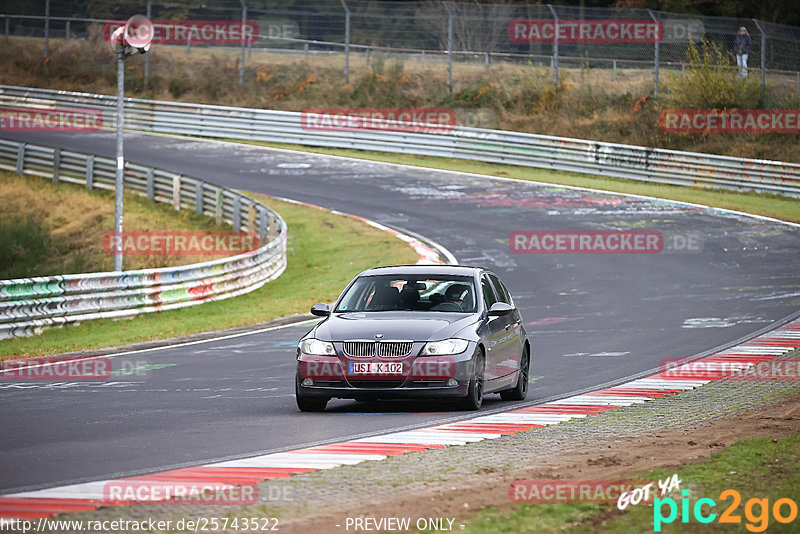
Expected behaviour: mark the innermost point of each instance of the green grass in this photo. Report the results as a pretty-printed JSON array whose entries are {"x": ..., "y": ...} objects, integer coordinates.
[
  {"x": 769, "y": 205},
  {"x": 324, "y": 252},
  {"x": 760, "y": 468}
]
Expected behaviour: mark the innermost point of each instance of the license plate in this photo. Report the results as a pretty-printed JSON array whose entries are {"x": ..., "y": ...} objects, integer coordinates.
[{"x": 376, "y": 368}]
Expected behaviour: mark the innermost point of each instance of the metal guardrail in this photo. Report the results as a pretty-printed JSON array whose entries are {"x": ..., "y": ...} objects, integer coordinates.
[
  {"x": 495, "y": 146},
  {"x": 27, "y": 305}
]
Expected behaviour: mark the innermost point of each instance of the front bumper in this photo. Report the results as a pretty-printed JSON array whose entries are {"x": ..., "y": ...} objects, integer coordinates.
[{"x": 421, "y": 377}]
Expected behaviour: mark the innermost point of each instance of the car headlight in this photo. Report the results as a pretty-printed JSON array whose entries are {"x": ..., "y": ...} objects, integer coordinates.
[
  {"x": 315, "y": 347},
  {"x": 447, "y": 346}
]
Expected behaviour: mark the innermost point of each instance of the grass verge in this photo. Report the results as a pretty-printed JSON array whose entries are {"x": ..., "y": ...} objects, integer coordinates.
[
  {"x": 324, "y": 252},
  {"x": 48, "y": 229},
  {"x": 757, "y": 468},
  {"x": 768, "y": 205}
]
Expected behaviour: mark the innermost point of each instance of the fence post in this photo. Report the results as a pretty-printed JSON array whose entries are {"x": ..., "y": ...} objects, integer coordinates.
[
  {"x": 189, "y": 42},
  {"x": 56, "y": 164},
  {"x": 66, "y": 31},
  {"x": 21, "y": 158},
  {"x": 147, "y": 56},
  {"x": 305, "y": 51},
  {"x": 449, "y": 47},
  {"x": 198, "y": 198},
  {"x": 615, "y": 70},
  {"x": 149, "y": 185},
  {"x": 555, "y": 46},
  {"x": 8, "y": 25},
  {"x": 46, "y": 29},
  {"x": 655, "y": 58},
  {"x": 763, "y": 58},
  {"x": 346, "y": 41},
  {"x": 244, "y": 21},
  {"x": 90, "y": 172}
]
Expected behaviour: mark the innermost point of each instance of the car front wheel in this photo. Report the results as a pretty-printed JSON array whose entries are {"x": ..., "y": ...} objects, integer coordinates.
[
  {"x": 309, "y": 404},
  {"x": 520, "y": 391},
  {"x": 474, "y": 398}
]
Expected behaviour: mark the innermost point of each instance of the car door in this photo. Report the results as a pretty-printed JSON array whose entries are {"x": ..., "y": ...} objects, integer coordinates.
[
  {"x": 495, "y": 332},
  {"x": 513, "y": 340}
]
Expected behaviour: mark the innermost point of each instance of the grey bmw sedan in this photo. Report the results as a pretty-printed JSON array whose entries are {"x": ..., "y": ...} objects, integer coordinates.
[{"x": 415, "y": 331}]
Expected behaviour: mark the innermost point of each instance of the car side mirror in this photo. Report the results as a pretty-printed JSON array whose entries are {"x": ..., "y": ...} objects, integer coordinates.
[
  {"x": 321, "y": 310},
  {"x": 500, "y": 308}
]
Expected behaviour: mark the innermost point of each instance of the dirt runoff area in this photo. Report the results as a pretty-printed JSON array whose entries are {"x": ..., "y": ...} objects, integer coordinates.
[{"x": 615, "y": 450}]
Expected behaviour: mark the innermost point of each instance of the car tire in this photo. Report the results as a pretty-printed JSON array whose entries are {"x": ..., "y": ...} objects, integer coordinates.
[
  {"x": 474, "y": 398},
  {"x": 520, "y": 391},
  {"x": 309, "y": 404}
]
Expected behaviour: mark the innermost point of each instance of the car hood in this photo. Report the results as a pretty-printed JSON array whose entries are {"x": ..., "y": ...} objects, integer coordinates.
[{"x": 416, "y": 326}]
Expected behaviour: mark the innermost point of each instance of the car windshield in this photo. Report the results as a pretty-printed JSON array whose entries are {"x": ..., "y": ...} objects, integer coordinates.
[{"x": 415, "y": 293}]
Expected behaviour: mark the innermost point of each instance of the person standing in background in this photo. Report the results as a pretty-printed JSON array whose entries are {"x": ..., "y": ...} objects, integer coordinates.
[{"x": 741, "y": 46}]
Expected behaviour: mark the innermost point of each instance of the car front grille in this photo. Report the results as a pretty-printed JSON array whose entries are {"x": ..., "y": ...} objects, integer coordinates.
[
  {"x": 385, "y": 349},
  {"x": 394, "y": 349},
  {"x": 359, "y": 349}
]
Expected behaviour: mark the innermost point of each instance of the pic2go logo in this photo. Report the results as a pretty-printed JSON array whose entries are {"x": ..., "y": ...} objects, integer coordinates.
[{"x": 756, "y": 511}]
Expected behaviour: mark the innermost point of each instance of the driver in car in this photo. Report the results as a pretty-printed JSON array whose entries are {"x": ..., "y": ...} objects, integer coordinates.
[{"x": 456, "y": 294}]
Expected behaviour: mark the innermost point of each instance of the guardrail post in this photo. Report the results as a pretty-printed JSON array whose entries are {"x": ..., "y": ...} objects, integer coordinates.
[
  {"x": 555, "y": 46},
  {"x": 21, "y": 158},
  {"x": 218, "y": 207},
  {"x": 763, "y": 58},
  {"x": 262, "y": 225},
  {"x": 176, "y": 192},
  {"x": 449, "y": 47},
  {"x": 56, "y": 164},
  {"x": 198, "y": 198},
  {"x": 90, "y": 172},
  {"x": 271, "y": 231},
  {"x": 655, "y": 58},
  {"x": 237, "y": 214},
  {"x": 346, "y": 42},
  {"x": 251, "y": 218},
  {"x": 149, "y": 185}
]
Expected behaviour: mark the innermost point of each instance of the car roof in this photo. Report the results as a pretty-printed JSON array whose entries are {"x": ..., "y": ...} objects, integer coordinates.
[{"x": 435, "y": 270}]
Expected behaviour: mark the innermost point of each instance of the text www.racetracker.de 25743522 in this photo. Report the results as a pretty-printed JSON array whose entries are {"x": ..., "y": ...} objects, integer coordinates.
[{"x": 196, "y": 524}]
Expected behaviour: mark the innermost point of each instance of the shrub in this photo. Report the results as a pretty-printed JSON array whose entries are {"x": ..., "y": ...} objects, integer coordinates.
[{"x": 711, "y": 82}]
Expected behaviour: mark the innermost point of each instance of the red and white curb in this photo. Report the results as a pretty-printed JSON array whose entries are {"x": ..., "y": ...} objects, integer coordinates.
[{"x": 249, "y": 471}]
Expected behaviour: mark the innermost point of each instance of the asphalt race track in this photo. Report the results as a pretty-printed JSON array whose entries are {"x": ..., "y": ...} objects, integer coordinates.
[{"x": 593, "y": 318}]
